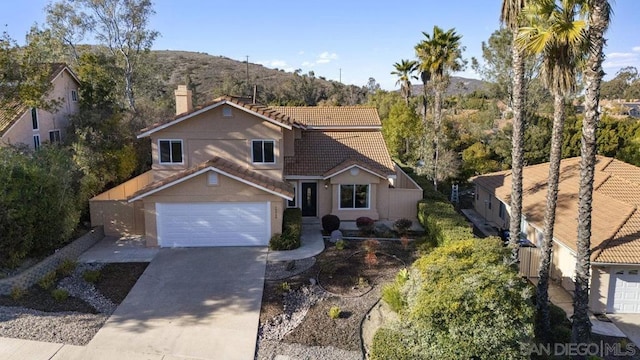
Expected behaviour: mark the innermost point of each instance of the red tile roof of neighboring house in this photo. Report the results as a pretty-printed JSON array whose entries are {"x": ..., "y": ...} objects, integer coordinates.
[
  {"x": 333, "y": 116},
  {"x": 14, "y": 110},
  {"x": 316, "y": 153},
  {"x": 251, "y": 176},
  {"x": 615, "y": 233}
]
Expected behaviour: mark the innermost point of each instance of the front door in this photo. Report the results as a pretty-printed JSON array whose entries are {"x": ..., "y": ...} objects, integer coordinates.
[{"x": 309, "y": 196}]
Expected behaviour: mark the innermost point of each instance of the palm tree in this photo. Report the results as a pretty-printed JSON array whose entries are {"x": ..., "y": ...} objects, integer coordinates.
[
  {"x": 439, "y": 54},
  {"x": 404, "y": 69},
  {"x": 510, "y": 17},
  {"x": 599, "y": 15},
  {"x": 552, "y": 30}
]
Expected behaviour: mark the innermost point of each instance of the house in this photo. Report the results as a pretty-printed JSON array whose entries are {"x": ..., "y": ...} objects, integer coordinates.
[
  {"x": 223, "y": 174},
  {"x": 32, "y": 126},
  {"x": 615, "y": 237}
]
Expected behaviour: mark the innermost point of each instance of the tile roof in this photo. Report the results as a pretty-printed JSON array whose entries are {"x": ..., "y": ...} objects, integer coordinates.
[
  {"x": 332, "y": 116},
  {"x": 615, "y": 233},
  {"x": 14, "y": 110},
  {"x": 318, "y": 152},
  {"x": 279, "y": 187},
  {"x": 241, "y": 102}
]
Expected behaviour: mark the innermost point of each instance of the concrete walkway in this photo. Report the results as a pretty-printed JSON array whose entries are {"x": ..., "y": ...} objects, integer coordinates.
[
  {"x": 117, "y": 250},
  {"x": 629, "y": 324},
  {"x": 311, "y": 243}
]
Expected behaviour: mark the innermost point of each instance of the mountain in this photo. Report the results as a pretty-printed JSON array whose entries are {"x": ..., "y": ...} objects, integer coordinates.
[{"x": 458, "y": 85}]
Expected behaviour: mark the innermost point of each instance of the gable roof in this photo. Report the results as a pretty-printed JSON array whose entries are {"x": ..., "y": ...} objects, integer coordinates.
[
  {"x": 317, "y": 153},
  {"x": 324, "y": 117},
  {"x": 14, "y": 110},
  {"x": 224, "y": 167},
  {"x": 615, "y": 233},
  {"x": 264, "y": 112}
]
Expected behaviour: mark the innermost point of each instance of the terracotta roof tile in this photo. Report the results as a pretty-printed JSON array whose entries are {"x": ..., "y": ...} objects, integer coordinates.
[
  {"x": 615, "y": 229},
  {"x": 318, "y": 152},
  {"x": 279, "y": 187},
  {"x": 332, "y": 116}
]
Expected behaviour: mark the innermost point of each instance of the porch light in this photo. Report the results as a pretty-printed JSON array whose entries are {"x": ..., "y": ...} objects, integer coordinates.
[{"x": 326, "y": 184}]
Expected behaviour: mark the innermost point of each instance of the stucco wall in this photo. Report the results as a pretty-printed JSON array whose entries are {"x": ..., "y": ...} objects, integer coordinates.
[
  {"x": 599, "y": 291},
  {"x": 198, "y": 190},
  {"x": 22, "y": 131},
  {"x": 564, "y": 266},
  {"x": 210, "y": 134}
]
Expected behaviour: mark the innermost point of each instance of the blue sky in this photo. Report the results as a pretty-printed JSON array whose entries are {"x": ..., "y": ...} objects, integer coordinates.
[{"x": 359, "y": 39}]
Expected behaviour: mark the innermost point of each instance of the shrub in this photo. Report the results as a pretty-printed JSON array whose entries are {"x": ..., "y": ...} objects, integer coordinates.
[
  {"x": 291, "y": 231},
  {"x": 340, "y": 244},
  {"x": 442, "y": 223},
  {"x": 17, "y": 293},
  {"x": 334, "y": 312},
  {"x": 280, "y": 242},
  {"x": 59, "y": 294},
  {"x": 285, "y": 286},
  {"x": 66, "y": 268},
  {"x": 393, "y": 297},
  {"x": 387, "y": 345},
  {"x": 330, "y": 223},
  {"x": 48, "y": 280},
  {"x": 91, "y": 276},
  {"x": 402, "y": 226},
  {"x": 365, "y": 224}
]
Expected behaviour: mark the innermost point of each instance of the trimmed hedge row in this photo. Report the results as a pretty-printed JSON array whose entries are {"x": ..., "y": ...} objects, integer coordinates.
[
  {"x": 291, "y": 231},
  {"x": 442, "y": 223}
]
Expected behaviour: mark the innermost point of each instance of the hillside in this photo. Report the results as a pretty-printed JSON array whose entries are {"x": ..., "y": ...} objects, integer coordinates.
[{"x": 213, "y": 76}]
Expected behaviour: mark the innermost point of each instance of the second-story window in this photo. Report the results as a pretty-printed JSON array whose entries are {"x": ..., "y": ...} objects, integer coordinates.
[
  {"x": 170, "y": 151},
  {"x": 263, "y": 151},
  {"x": 74, "y": 95},
  {"x": 34, "y": 118}
]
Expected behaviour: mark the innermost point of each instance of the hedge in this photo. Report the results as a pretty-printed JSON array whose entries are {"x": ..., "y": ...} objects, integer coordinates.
[
  {"x": 291, "y": 231},
  {"x": 442, "y": 223}
]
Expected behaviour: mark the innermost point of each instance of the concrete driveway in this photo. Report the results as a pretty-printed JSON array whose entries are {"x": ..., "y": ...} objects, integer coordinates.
[
  {"x": 629, "y": 324},
  {"x": 201, "y": 303}
]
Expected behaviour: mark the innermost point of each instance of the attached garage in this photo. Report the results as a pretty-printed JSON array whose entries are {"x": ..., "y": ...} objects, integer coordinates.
[
  {"x": 213, "y": 224},
  {"x": 624, "y": 291}
]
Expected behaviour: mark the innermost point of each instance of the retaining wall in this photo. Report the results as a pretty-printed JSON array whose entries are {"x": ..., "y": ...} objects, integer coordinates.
[{"x": 32, "y": 275}]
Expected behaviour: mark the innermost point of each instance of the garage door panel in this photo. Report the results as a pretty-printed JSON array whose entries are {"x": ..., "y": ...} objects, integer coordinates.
[
  {"x": 624, "y": 291},
  {"x": 213, "y": 224}
]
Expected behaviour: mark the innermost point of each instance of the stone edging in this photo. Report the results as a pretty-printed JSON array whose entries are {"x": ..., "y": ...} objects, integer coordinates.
[{"x": 32, "y": 275}]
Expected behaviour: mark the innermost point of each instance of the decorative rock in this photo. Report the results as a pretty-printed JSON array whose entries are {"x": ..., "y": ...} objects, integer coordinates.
[{"x": 336, "y": 235}]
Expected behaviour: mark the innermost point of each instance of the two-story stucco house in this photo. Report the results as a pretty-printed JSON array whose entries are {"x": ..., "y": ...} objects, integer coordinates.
[
  {"x": 223, "y": 174},
  {"x": 32, "y": 126}
]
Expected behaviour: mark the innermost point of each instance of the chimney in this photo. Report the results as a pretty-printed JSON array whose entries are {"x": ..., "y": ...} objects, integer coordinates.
[{"x": 183, "y": 100}]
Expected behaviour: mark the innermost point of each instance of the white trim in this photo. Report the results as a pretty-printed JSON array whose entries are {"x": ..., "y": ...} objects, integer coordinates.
[
  {"x": 202, "y": 171},
  {"x": 39, "y": 143},
  {"x": 351, "y": 167},
  {"x": 253, "y": 161},
  {"x": 31, "y": 112},
  {"x": 354, "y": 197},
  {"x": 66, "y": 68},
  {"x": 205, "y": 109},
  {"x": 599, "y": 264},
  {"x": 302, "y": 177},
  {"x": 59, "y": 134},
  {"x": 345, "y": 127},
  {"x": 74, "y": 91},
  {"x": 171, "y": 152},
  {"x": 296, "y": 188},
  {"x": 268, "y": 234}
]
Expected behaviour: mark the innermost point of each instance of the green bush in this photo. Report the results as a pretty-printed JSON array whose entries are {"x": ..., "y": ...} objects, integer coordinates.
[
  {"x": 48, "y": 280},
  {"x": 59, "y": 294},
  {"x": 341, "y": 244},
  {"x": 91, "y": 276},
  {"x": 291, "y": 231},
  {"x": 442, "y": 223},
  {"x": 334, "y": 312},
  {"x": 66, "y": 268},
  {"x": 402, "y": 226},
  {"x": 393, "y": 297},
  {"x": 330, "y": 223},
  {"x": 18, "y": 293},
  {"x": 387, "y": 345}
]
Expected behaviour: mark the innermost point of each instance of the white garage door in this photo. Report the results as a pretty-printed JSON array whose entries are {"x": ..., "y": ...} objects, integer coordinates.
[
  {"x": 213, "y": 224},
  {"x": 625, "y": 286}
]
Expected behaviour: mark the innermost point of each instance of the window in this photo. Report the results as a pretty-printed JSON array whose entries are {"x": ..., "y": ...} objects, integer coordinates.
[
  {"x": 212, "y": 178},
  {"x": 292, "y": 203},
  {"x": 354, "y": 196},
  {"x": 226, "y": 111},
  {"x": 263, "y": 151},
  {"x": 170, "y": 151},
  {"x": 34, "y": 118},
  {"x": 74, "y": 95},
  {"x": 36, "y": 141},
  {"x": 54, "y": 136},
  {"x": 502, "y": 212}
]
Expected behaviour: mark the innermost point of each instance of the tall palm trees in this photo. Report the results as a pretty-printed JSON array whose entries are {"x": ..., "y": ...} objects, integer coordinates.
[
  {"x": 551, "y": 29},
  {"x": 404, "y": 70},
  {"x": 599, "y": 15},
  {"x": 439, "y": 54},
  {"x": 510, "y": 17}
]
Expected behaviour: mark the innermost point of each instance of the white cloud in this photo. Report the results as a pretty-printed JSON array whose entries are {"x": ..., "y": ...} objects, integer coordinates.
[
  {"x": 273, "y": 63},
  {"x": 636, "y": 48},
  {"x": 326, "y": 57},
  {"x": 301, "y": 52},
  {"x": 307, "y": 63},
  {"x": 617, "y": 55}
]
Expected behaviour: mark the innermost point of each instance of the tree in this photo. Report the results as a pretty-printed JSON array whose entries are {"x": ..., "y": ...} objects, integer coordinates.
[
  {"x": 119, "y": 25},
  {"x": 439, "y": 54},
  {"x": 401, "y": 131},
  {"x": 404, "y": 70},
  {"x": 618, "y": 87},
  {"x": 599, "y": 15},
  {"x": 510, "y": 17},
  {"x": 552, "y": 30},
  {"x": 477, "y": 159}
]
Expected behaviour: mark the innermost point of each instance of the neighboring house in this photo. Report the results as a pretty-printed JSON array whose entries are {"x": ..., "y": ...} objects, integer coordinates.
[
  {"x": 633, "y": 109},
  {"x": 615, "y": 236},
  {"x": 223, "y": 174},
  {"x": 32, "y": 126}
]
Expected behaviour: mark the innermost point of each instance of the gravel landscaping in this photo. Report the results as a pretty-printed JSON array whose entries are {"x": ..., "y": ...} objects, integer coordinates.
[{"x": 38, "y": 316}]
